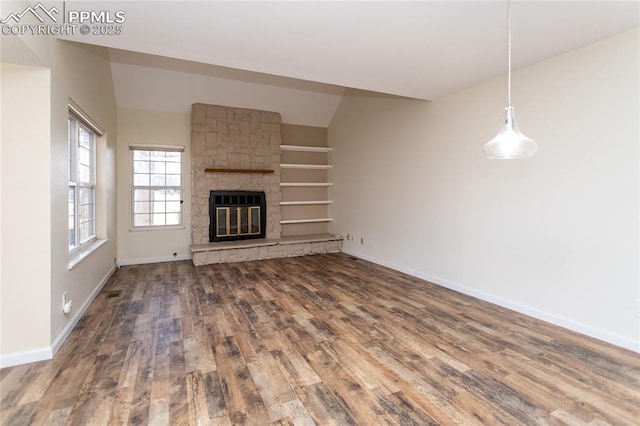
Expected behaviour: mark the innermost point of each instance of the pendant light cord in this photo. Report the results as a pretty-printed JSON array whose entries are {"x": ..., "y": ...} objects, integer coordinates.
[{"x": 509, "y": 50}]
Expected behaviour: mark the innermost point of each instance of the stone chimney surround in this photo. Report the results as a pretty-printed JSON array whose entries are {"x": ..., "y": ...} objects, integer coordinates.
[{"x": 241, "y": 139}]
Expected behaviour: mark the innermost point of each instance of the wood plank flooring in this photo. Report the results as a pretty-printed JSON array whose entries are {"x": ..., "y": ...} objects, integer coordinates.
[{"x": 324, "y": 339}]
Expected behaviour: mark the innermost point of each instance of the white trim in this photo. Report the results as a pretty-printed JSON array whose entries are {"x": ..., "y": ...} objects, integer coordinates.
[
  {"x": 46, "y": 353},
  {"x": 587, "y": 330},
  {"x": 132, "y": 214},
  {"x": 301, "y": 184},
  {"x": 62, "y": 337},
  {"x": 157, "y": 228},
  {"x": 142, "y": 261},
  {"x": 25, "y": 357},
  {"x": 85, "y": 251},
  {"x": 305, "y": 166},
  {"x": 82, "y": 115},
  {"x": 290, "y": 221},
  {"x": 74, "y": 180},
  {"x": 305, "y": 148},
  {"x": 304, "y": 203},
  {"x": 155, "y": 147}
]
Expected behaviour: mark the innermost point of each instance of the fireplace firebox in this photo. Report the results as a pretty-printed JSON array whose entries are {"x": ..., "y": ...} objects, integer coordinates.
[{"x": 237, "y": 215}]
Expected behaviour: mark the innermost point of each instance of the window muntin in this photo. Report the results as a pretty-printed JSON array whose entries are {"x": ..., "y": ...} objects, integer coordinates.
[
  {"x": 157, "y": 188},
  {"x": 82, "y": 184}
]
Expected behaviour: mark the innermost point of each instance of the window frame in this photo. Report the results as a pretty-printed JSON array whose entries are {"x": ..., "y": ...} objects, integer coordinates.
[
  {"x": 156, "y": 148},
  {"x": 75, "y": 123}
]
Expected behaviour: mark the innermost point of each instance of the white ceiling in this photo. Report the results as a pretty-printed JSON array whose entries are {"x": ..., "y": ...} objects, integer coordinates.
[
  {"x": 297, "y": 58},
  {"x": 421, "y": 49}
]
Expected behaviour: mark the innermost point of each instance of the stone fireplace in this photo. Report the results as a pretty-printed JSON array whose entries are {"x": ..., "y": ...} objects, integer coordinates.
[
  {"x": 236, "y": 151},
  {"x": 234, "y": 139}
]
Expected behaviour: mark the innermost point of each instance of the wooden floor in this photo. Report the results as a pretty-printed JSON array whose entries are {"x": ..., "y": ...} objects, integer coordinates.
[{"x": 322, "y": 339}]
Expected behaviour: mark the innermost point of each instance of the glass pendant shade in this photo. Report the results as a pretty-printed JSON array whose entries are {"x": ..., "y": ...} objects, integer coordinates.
[{"x": 510, "y": 143}]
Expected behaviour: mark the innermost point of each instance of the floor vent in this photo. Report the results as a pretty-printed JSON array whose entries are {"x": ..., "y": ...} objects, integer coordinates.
[
  {"x": 353, "y": 258},
  {"x": 114, "y": 293}
]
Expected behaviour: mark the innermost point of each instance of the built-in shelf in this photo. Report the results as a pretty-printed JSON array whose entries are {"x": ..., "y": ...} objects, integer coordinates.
[
  {"x": 292, "y": 221},
  {"x": 304, "y": 203},
  {"x": 306, "y": 166},
  {"x": 302, "y": 184},
  {"x": 225, "y": 170},
  {"x": 319, "y": 211},
  {"x": 305, "y": 148}
]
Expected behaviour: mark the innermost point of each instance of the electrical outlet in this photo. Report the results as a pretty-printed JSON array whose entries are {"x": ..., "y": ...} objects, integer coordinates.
[
  {"x": 66, "y": 304},
  {"x": 361, "y": 240}
]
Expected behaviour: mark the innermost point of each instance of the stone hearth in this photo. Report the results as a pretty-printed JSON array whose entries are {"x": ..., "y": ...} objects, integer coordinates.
[{"x": 241, "y": 251}]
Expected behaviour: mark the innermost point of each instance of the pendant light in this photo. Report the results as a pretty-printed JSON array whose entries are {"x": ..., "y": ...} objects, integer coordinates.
[{"x": 509, "y": 143}]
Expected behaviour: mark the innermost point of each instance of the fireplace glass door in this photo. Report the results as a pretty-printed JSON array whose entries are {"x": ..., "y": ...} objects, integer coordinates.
[{"x": 237, "y": 221}]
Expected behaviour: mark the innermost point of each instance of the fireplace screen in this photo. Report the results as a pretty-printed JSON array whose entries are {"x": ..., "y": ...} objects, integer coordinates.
[
  {"x": 236, "y": 215},
  {"x": 237, "y": 221}
]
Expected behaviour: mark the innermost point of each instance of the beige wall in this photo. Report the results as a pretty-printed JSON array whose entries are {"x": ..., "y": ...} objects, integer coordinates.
[
  {"x": 24, "y": 208},
  {"x": 158, "y": 128},
  {"x": 555, "y": 236},
  {"x": 35, "y": 261},
  {"x": 82, "y": 73}
]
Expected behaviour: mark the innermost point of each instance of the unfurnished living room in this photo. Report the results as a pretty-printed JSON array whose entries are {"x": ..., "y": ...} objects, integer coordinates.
[{"x": 298, "y": 213}]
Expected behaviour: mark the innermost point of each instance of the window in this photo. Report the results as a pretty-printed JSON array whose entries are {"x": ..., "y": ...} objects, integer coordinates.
[
  {"x": 157, "y": 187},
  {"x": 82, "y": 183}
]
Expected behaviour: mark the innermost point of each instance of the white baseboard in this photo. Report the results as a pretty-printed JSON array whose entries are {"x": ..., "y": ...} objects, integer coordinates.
[
  {"x": 43, "y": 354},
  {"x": 125, "y": 262},
  {"x": 58, "y": 341},
  {"x": 25, "y": 357},
  {"x": 569, "y": 324}
]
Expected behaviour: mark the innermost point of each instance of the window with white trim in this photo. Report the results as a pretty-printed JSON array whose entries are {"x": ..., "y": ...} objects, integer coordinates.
[
  {"x": 156, "y": 193},
  {"x": 82, "y": 183}
]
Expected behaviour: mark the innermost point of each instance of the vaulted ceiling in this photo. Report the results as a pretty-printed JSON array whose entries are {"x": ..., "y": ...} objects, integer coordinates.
[{"x": 418, "y": 49}]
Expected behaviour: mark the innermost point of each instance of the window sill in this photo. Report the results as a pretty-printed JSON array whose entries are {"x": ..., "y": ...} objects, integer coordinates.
[
  {"x": 158, "y": 228},
  {"x": 81, "y": 255}
]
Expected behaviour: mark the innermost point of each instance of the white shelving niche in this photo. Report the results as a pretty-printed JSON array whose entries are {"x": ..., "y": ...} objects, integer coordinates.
[{"x": 306, "y": 202}]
